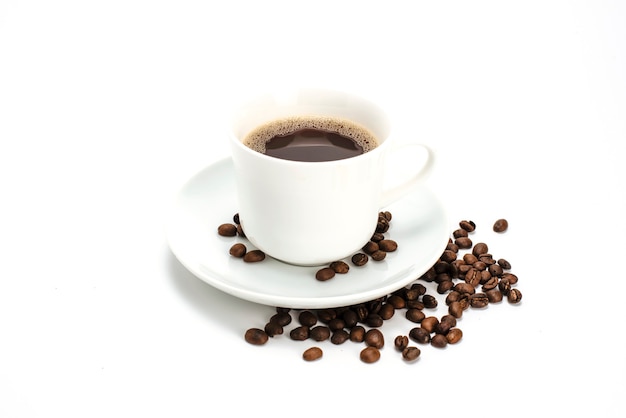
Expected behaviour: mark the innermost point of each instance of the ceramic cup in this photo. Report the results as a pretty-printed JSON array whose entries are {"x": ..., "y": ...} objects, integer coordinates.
[{"x": 314, "y": 213}]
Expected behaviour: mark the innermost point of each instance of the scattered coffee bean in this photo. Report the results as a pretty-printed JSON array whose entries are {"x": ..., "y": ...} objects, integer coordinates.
[
  {"x": 454, "y": 335},
  {"x": 357, "y": 334},
  {"x": 429, "y": 301},
  {"x": 388, "y": 245},
  {"x": 374, "y": 338},
  {"x": 463, "y": 242},
  {"x": 479, "y": 300},
  {"x": 411, "y": 353},
  {"x": 254, "y": 256},
  {"x": 319, "y": 333},
  {"x": 501, "y": 225},
  {"x": 419, "y": 335},
  {"x": 227, "y": 230},
  {"x": 256, "y": 336},
  {"x": 371, "y": 247},
  {"x": 238, "y": 250},
  {"x": 370, "y": 355},
  {"x": 359, "y": 259},
  {"x": 273, "y": 328},
  {"x": 415, "y": 315},
  {"x": 339, "y": 267},
  {"x": 480, "y": 248},
  {"x": 325, "y": 274},
  {"x": 514, "y": 296},
  {"x": 469, "y": 226},
  {"x": 439, "y": 341},
  {"x": 401, "y": 342},
  {"x": 460, "y": 233},
  {"x": 300, "y": 333},
  {"x": 494, "y": 295},
  {"x": 504, "y": 264},
  {"x": 339, "y": 336},
  {"x": 313, "y": 353},
  {"x": 429, "y": 323}
]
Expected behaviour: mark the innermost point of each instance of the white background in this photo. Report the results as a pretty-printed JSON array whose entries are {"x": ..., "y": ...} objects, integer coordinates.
[{"x": 108, "y": 107}]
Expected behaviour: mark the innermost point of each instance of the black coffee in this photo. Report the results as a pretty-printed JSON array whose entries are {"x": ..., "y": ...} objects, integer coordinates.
[{"x": 311, "y": 139}]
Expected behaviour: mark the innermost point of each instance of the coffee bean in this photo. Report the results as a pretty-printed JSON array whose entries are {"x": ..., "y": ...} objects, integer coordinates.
[
  {"x": 454, "y": 335},
  {"x": 256, "y": 336},
  {"x": 359, "y": 259},
  {"x": 429, "y": 301},
  {"x": 324, "y": 274},
  {"x": 492, "y": 283},
  {"x": 494, "y": 295},
  {"x": 470, "y": 259},
  {"x": 469, "y": 226},
  {"x": 339, "y": 336},
  {"x": 377, "y": 237},
  {"x": 319, "y": 333},
  {"x": 273, "y": 328},
  {"x": 465, "y": 288},
  {"x": 429, "y": 323},
  {"x": 411, "y": 353},
  {"x": 388, "y": 245},
  {"x": 504, "y": 264},
  {"x": 387, "y": 311},
  {"x": 281, "y": 318},
  {"x": 254, "y": 256},
  {"x": 300, "y": 333},
  {"x": 443, "y": 327},
  {"x": 472, "y": 277},
  {"x": 479, "y": 300},
  {"x": 510, "y": 277},
  {"x": 357, "y": 334},
  {"x": 419, "y": 335},
  {"x": 374, "y": 320},
  {"x": 371, "y": 247},
  {"x": 350, "y": 318},
  {"x": 370, "y": 355},
  {"x": 495, "y": 270},
  {"x": 339, "y": 267},
  {"x": 456, "y": 309},
  {"x": 514, "y": 296},
  {"x": 313, "y": 353},
  {"x": 439, "y": 341},
  {"x": 505, "y": 286},
  {"x": 448, "y": 319},
  {"x": 445, "y": 286},
  {"x": 307, "y": 318},
  {"x": 501, "y": 225},
  {"x": 396, "y": 301},
  {"x": 401, "y": 342},
  {"x": 463, "y": 242},
  {"x": 480, "y": 248},
  {"x": 387, "y": 215},
  {"x": 374, "y": 338},
  {"x": 240, "y": 231},
  {"x": 336, "y": 324},
  {"x": 326, "y": 315},
  {"x": 415, "y": 315},
  {"x": 227, "y": 230},
  {"x": 378, "y": 255},
  {"x": 452, "y": 247},
  {"x": 238, "y": 250},
  {"x": 448, "y": 256},
  {"x": 460, "y": 233}
]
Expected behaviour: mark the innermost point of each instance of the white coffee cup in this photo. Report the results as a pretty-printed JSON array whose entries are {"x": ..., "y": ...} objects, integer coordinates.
[{"x": 314, "y": 213}]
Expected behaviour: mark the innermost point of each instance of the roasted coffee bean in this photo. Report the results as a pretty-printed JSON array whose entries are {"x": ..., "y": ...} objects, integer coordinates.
[
  {"x": 479, "y": 300},
  {"x": 505, "y": 286},
  {"x": 388, "y": 245},
  {"x": 496, "y": 270},
  {"x": 357, "y": 334},
  {"x": 336, "y": 324},
  {"x": 370, "y": 247},
  {"x": 452, "y": 247},
  {"x": 238, "y": 250},
  {"x": 448, "y": 319},
  {"x": 378, "y": 255},
  {"x": 236, "y": 219},
  {"x": 339, "y": 267},
  {"x": 256, "y": 336},
  {"x": 501, "y": 225},
  {"x": 492, "y": 283},
  {"x": 469, "y": 226},
  {"x": 273, "y": 328},
  {"x": 504, "y": 264},
  {"x": 387, "y": 311},
  {"x": 396, "y": 301},
  {"x": 300, "y": 333},
  {"x": 514, "y": 296},
  {"x": 382, "y": 225},
  {"x": 485, "y": 276},
  {"x": 254, "y": 256},
  {"x": 439, "y": 341},
  {"x": 463, "y": 242},
  {"x": 415, "y": 315},
  {"x": 470, "y": 258},
  {"x": 454, "y": 335},
  {"x": 374, "y": 338},
  {"x": 307, "y": 318},
  {"x": 240, "y": 231},
  {"x": 419, "y": 335},
  {"x": 374, "y": 320},
  {"x": 377, "y": 237},
  {"x": 386, "y": 214},
  {"x": 420, "y": 288},
  {"x": 429, "y": 323},
  {"x": 227, "y": 230},
  {"x": 414, "y": 304},
  {"x": 460, "y": 233},
  {"x": 313, "y": 353},
  {"x": 480, "y": 248},
  {"x": 359, "y": 259},
  {"x": 510, "y": 277},
  {"x": 456, "y": 309},
  {"x": 479, "y": 265},
  {"x": 370, "y": 355},
  {"x": 361, "y": 312},
  {"x": 401, "y": 342},
  {"x": 445, "y": 286},
  {"x": 448, "y": 256},
  {"x": 326, "y": 315},
  {"x": 494, "y": 295},
  {"x": 473, "y": 277},
  {"x": 465, "y": 288},
  {"x": 453, "y": 296},
  {"x": 282, "y": 318},
  {"x": 411, "y": 353},
  {"x": 443, "y": 327},
  {"x": 319, "y": 333},
  {"x": 324, "y": 274},
  {"x": 429, "y": 301},
  {"x": 349, "y": 318},
  {"x": 340, "y": 336}
]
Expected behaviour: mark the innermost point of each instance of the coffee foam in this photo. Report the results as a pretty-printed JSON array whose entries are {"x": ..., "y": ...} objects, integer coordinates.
[{"x": 258, "y": 137}]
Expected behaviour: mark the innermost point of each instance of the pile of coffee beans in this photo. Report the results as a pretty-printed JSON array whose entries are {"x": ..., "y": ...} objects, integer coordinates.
[{"x": 466, "y": 273}]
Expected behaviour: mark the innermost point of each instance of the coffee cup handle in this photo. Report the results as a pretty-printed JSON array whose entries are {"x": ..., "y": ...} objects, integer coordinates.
[{"x": 397, "y": 191}]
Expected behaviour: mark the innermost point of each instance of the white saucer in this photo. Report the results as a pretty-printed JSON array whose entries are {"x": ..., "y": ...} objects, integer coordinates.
[{"x": 208, "y": 199}]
